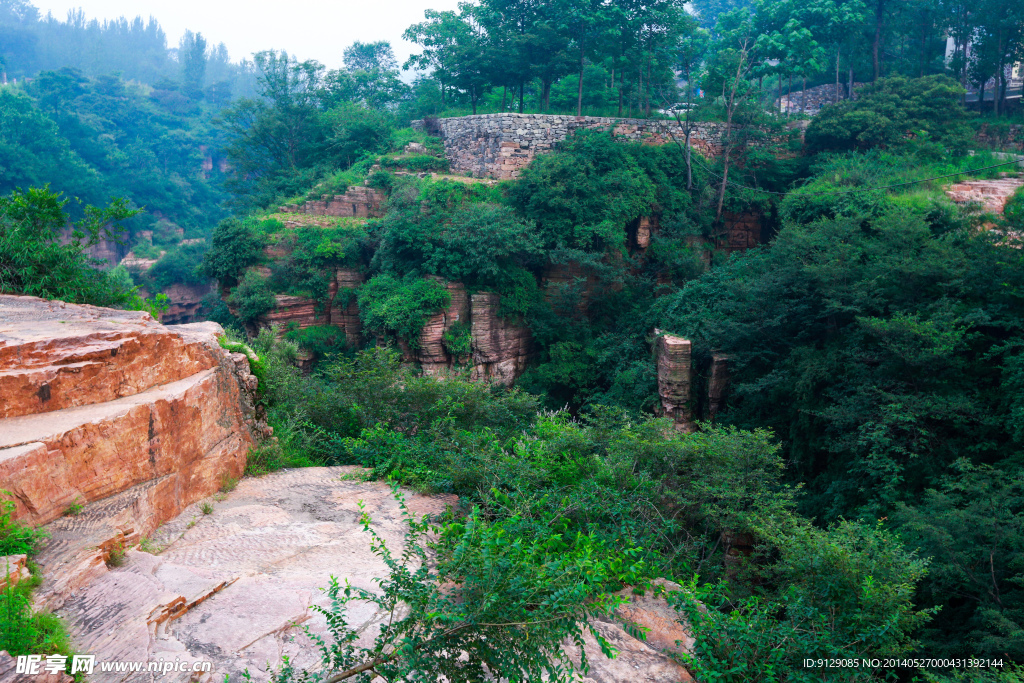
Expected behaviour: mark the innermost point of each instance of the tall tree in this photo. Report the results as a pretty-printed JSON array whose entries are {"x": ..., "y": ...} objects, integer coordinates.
[{"x": 192, "y": 55}]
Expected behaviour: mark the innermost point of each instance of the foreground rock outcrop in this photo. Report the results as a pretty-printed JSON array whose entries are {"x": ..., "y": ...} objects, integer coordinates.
[
  {"x": 990, "y": 195},
  {"x": 236, "y": 587},
  {"x": 96, "y": 402}
]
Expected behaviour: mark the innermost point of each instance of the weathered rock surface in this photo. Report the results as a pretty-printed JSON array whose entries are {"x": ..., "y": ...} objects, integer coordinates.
[
  {"x": 991, "y": 195},
  {"x": 358, "y": 202},
  {"x": 501, "y": 348},
  {"x": 97, "y": 402},
  {"x": 8, "y": 673},
  {"x": 236, "y": 587},
  {"x": 186, "y": 302},
  {"x": 674, "y": 378},
  {"x": 643, "y": 661}
]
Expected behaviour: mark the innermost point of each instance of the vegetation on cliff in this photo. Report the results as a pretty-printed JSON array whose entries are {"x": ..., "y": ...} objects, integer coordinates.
[{"x": 856, "y": 492}]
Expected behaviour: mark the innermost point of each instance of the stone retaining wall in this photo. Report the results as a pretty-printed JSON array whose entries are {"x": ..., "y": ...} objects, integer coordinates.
[{"x": 500, "y": 145}]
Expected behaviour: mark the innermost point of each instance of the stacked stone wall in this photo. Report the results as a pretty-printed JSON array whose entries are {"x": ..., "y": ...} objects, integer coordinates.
[{"x": 501, "y": 145}]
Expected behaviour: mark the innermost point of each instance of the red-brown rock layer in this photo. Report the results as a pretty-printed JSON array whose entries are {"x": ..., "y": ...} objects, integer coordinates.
[
  {"x": 357, "y": 202},
  {"x": 501, "y": 348},
  {"x": 674, "y": 378},
  {"x": 163, "y": 407}
]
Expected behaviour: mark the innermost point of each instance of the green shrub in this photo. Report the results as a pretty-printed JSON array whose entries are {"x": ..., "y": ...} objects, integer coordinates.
[
  {"x": 34, "y": 259},
  {"x": 318, "y": 339},
  {"x": 252, "y": 297},
  {"x": 417, "y": 163},
  {"x": 892, "y": 112},
  {"x": 458, "y": 339},
  {"x": 1013, "y": 212},
  {"x": 235, "y": 247},
  {"x": 390, "y": 306},
  {"x": 182, "y": 264}
]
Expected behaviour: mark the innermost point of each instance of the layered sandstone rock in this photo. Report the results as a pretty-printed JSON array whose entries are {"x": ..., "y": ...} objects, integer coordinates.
[
  {"x": 358, "y": 202},
  {"x": 990, "y": 195},
  {"x": 293, "y": 312},
  {"x": 674, "y": 378},
  {"x": 237, "y": 587},
  {"x": 97, "y": 402},
  {"x": 55, "y": 356},
  {"x": 344, "y": 307},
  {"x": 434, "y": 358},
  {"x": 186, "y": 303},
  {"x": 742, "y": 230},
  {"x": 718, "y": 383},
  {"x": 501, "y": 348}
]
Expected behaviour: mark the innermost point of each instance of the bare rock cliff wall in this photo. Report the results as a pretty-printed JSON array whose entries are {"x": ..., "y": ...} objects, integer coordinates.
[{"x": 97, "y": 402}]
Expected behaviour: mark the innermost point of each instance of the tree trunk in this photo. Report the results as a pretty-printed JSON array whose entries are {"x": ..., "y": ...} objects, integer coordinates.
[
  {"x": 640, "y": 90},
  {"x": 545, "y": 100},
  {"x": 689, "y": 168},
  {"x": 876, "y": 44},
  {"x": 622, "y": 83},
  {"x": 999, "y": 75},
  {"x": 789, "y": 95},
  {"x": 727, "y": 148},
  {"x": 924, "y": 44},
  {"x": 803, "y": 97},
  {"x": 837, "y": 76},
  {"x": 849, "y": 90},
  {"x": 647, "y": 101},
  {"x": 521, "y": 87},
  {"x": 504, "y": 96},
  {"x": 689, "y": 94},
  {"x": 579, "y": 86},
  {"x": 780, "y": 92}
]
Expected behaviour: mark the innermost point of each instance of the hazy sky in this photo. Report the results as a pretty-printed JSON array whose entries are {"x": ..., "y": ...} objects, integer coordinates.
[{"x": 306, "y": 28}]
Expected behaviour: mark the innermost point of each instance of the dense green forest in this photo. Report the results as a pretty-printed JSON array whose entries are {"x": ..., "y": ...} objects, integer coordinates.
[{"x": 860, "y": 491}]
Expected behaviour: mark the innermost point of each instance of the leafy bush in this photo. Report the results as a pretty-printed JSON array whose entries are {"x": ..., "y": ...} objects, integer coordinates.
[
  {"x": 1013, "y": 212},
  {"x": 845, "y": 593},
  {"x": 252, "y": 297},
  {"x": 417, "y": 163},
  {"x": 318, "y": 339},
  {"x": 458, "y": 339},
  {"x": 390, "y": 306},
  {"x": 476, "y": 243},
  {"x": 182, "y": 264},
  {"x": 235, "y": 247},
  {"x": 508, "y": 607},
  {"x": 891, "y": 112},
  {"x": 34, "y": 261}
]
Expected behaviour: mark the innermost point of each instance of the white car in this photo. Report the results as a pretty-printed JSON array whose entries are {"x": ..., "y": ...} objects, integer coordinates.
[{"x": 677, "y": 107}]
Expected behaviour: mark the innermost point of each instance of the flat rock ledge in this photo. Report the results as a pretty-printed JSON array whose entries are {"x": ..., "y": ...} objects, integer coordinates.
[{"x": 236, "y": 587}]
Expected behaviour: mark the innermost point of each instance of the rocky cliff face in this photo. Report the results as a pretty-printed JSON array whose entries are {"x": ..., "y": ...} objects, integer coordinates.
[
  {"x": 96, "y": 402},
  {"x": 990, "y": 195},
  {"x": 674, "y": 378},
  {"x": 358, "y": 202},
  {"x": 186, "y": 303}
]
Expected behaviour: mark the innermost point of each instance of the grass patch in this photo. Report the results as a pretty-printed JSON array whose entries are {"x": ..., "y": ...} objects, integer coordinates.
[
  {"x": 228, "y": 483},
  {"x": 207, "y": 508},
  {"x": 74, "y": 509},
  {"x": 116, "y": 557}
]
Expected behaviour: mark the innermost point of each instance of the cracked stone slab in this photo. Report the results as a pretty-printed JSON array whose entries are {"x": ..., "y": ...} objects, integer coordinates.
[{"x": 236, "y": 587}]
